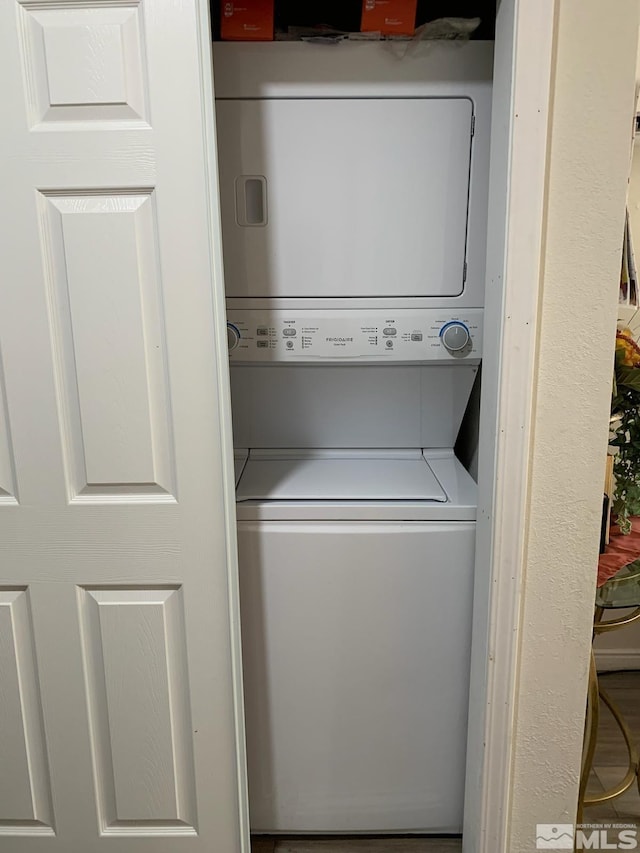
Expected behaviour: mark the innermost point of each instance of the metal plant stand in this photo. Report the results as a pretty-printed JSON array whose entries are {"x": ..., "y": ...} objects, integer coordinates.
[{"x": 620, "y": 592}]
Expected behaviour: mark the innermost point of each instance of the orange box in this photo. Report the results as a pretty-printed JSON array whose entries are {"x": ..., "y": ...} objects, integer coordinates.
[
  {"x": 246, "y": 20},
  {"x": 389, "y": 17}
]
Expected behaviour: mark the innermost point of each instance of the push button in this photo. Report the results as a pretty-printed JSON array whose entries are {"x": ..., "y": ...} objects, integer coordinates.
[
  {"x": 263, "y": 343},
  {"x": 261, "y": 331},
  {"x": 390, "y": 331},
  {"x": 389, "y": 344},
  {"x": 416, "y": 336},
  {"x": 289, "y": 333}
]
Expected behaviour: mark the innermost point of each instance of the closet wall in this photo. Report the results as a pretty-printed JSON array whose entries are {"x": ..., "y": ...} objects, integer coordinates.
[{"x": 592, "y": 103}]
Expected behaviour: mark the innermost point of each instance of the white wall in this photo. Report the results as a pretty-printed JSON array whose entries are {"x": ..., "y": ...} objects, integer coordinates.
[{"x": 593, "y": 101}]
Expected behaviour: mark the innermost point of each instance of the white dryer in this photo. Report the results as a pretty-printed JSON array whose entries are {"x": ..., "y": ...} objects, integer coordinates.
[{"x": 350, "y": 176}]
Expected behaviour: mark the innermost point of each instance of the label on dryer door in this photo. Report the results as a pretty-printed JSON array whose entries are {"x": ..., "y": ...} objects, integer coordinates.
[{"x": 407, "y": 336}]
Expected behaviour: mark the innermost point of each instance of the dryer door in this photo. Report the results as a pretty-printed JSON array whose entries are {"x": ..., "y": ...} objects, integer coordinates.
[{"x": 352, "y": 197}]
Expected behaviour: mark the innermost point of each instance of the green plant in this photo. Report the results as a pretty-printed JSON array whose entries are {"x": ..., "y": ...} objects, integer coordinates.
[
  {"x": 626, "y": 463},
  {"x": 625, "y": 407}
]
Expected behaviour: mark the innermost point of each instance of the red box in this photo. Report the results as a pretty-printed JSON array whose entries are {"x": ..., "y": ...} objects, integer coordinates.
[
  {"x": 246, "y": 20},
  {"x": 389, "y": 17}
]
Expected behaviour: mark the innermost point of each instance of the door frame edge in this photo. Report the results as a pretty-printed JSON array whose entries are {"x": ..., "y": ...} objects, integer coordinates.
[
  {"x": 522, "y": 102},
  {"x": 214, "y": 228}
]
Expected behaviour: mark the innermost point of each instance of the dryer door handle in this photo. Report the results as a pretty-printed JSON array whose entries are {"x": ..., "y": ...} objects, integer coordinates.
[{"x": 251, "y": 201}]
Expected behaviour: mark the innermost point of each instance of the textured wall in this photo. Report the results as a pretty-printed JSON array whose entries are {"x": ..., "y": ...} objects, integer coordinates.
[{"x": 593, "y": 92}]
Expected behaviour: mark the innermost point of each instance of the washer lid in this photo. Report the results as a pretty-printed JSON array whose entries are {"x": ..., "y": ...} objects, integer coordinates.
[{"x": 338, "y": 475}]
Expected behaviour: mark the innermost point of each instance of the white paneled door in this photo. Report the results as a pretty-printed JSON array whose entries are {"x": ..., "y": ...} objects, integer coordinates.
[{"x": 119, "y": 708}]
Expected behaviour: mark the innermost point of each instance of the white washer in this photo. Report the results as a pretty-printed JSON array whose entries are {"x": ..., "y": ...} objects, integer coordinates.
[
  {"x": 356, "y": 617},
  {"x": 353, "y": 193}
]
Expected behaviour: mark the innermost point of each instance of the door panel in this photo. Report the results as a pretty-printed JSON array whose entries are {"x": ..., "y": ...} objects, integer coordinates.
[
  {"x": 336, "y": 223},
  {"x": 25, "y": 785},
  {"x": 7, "y": 474},
  {"x": 110, "y": 341},
  {"x": 119, "y": 713},
  {"x": 83, "y": 62},
  {"x": 142, "y": 748}
]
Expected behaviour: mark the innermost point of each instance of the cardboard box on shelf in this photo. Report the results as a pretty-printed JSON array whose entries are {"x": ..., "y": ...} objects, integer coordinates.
[
  {"x": 246, "y": 20},
  {"x": 389, "y": 17}
]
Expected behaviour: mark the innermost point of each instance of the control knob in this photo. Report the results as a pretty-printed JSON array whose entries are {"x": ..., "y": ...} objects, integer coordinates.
[
  {"x": 455, "y": 336},
  {"x": 233, "y": 336}
]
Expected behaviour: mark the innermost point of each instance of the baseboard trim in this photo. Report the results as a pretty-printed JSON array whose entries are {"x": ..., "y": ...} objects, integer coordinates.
[{"x": 611, "y": 659}]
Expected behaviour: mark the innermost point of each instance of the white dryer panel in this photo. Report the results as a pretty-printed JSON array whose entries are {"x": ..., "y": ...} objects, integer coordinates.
[
  {"x": 344, "y": 197},
  {"x": 356, "y": 643},
  {"x": 349, "y": 406},
  {"x": 391, "y": 335}
]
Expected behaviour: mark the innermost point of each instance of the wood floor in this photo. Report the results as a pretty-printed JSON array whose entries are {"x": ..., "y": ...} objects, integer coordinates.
[
  {"x": 610, "y": 763},
  {"x": 363, "y": 845}
]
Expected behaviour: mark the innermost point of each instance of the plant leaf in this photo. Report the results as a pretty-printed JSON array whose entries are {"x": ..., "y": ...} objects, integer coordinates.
[{"x": 629, "y": 377}]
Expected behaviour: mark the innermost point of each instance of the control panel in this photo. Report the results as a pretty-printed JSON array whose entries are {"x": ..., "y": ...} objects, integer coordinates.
[{"x": 372, "y": 335}]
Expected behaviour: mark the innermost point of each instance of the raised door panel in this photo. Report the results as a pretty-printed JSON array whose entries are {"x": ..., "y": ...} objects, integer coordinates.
[
  {"x": 105, "y": 288},
  {"x": 8, "y": 489},
  {"x": 136, "y": 670},
  {"x": 83, "y": 62},
  {"x": 25, "y": 787}
]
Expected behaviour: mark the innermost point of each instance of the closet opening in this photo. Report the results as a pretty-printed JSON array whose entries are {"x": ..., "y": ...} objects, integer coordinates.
[{"x": 354, "y": 176}]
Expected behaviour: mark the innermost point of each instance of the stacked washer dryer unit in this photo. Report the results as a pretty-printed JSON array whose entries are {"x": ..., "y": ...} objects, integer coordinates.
[{"x": 354, "y": 194}]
